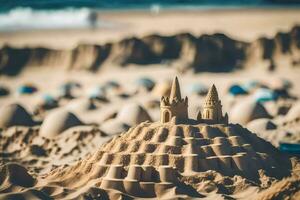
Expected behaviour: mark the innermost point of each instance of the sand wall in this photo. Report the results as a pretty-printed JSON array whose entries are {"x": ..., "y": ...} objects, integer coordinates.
[{"x": 205, "y": 53}]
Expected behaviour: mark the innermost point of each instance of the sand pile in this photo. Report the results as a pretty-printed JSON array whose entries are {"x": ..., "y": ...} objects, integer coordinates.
[
  {"x": 58, "y": 121},
  {"x": 162, "y": 89},
  {"x": 133, "y": 114},
  {"x": 262, "y": 124},
  {"x": 177, "y": 157},
  {"x": 14, "y": 115},
  {"x": 287, "y": 131},
  {"x": 81, "y": 105},
  {"x": 294, "y": 112},
  {"x": 246, "y": 111},
  {"x": 157, "y": 160},
  {"x": 16, "y": 175},
  {"x": 129, "y": 115},
  {"x": 283, "y": 128},
  {"x": 114, "y": 126}
]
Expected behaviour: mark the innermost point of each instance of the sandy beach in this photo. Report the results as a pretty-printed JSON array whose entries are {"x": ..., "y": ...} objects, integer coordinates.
[
  {"x": 243, "y": 24},
  {"x": 98, "y": 113}
]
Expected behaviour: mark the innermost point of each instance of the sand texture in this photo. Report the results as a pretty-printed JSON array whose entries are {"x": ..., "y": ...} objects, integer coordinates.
[
  {"x": 164, "y": 160},
  {"x": 94, "y": 114}
]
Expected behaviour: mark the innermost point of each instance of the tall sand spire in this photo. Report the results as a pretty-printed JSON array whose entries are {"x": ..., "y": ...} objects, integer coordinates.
[{"x": 175, "y": 91}]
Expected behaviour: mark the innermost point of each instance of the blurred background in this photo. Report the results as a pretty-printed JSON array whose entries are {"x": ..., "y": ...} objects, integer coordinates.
[{"x": 106, "y": 64}]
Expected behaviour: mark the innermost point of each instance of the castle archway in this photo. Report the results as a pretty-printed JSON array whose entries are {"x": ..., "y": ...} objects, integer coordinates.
[{"x": 167, "y": 116}]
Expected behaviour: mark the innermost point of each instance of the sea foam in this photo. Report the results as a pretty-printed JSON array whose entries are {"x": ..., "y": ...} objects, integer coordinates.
[{"x": 27, "y": 19}]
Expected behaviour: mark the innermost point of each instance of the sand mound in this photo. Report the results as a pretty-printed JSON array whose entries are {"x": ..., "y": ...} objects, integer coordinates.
[
  {"x": 262, "y": 124},
  {"x": 15, "y": 175},
  {"x": 164, "y": 160},
  {"x": 294, "y": 112},
  {"x": 14, "y": 115},
  {"x": 162, "y": 89},
  {"x": 58, "y": 121},
  {"x": 26, "y": 194},
  {"x": 114, "y": 126},
  {"x": 46, "y": 102},
  {"x": 133, "y": 114},
  {"x": 286, "y": 131},
  {"x": 246, "y": 111},
  {"x": 81, "y": 105}
]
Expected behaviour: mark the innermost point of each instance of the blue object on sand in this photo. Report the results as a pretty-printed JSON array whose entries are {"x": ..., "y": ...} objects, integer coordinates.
[
  {"x": 289, "y": 148},
  {"x": 237, "y": 90},
  {"x": 263, "y": 94},
  {"x": 146, "y": 83},
  {"x": 26, "y": 89}
]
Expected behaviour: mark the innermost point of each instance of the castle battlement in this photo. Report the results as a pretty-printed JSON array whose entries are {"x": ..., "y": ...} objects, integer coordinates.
[
  {"x": 174, "y": 105},
  {"x": 165, "y": 101}
]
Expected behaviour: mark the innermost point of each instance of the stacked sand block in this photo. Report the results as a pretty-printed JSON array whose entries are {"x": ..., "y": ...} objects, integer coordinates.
[
  {"x": 139, "y": 180},
  {"x": 148, "y": 160}
]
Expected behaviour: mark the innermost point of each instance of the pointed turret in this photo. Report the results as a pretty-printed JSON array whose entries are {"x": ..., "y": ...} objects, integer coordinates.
[
  {"x": 212, "y": 108},
  {"x": 175, "y": 91},
  {"x": 212, "y": 95}
]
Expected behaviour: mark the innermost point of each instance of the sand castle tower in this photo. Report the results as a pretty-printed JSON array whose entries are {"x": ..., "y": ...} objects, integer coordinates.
[
  {"x": 174, "y": 105},
  {"x": 212, "y": 109}
]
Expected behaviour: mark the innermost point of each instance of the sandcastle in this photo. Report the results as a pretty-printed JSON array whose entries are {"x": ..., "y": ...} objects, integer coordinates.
[
  {"x": 152, "y": 159},
  {"x": 177, "y": 108}
]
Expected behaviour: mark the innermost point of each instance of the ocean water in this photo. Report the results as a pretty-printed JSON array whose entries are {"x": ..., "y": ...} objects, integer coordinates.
[
  {"x": 127, "y": 4},
  {"x": 18, "y": 15}
]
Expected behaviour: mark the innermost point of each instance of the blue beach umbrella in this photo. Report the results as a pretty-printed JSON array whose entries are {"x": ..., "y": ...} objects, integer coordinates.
[
  {"x": 26, "y": 89},
  {"x": 237, "y": 90}
]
